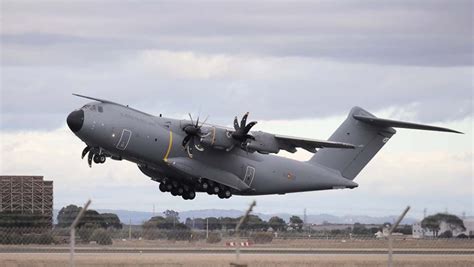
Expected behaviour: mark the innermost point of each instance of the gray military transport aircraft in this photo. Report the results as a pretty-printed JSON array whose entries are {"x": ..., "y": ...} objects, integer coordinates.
[{"x": 189, "y": 156}]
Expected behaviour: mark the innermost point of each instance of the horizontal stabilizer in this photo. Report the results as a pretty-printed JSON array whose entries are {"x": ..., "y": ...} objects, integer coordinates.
[{"x": 400, "y": 124}]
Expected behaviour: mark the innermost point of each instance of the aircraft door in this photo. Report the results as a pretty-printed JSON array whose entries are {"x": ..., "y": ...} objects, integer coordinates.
[
  {"x": 249, "y": 175},
  {"x": 124, "y": 139}
]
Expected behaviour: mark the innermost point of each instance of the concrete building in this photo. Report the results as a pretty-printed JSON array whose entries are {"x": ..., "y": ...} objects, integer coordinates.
[
  {"x": 26, "y": 195},
  {"x": 420, "y": 232},
  {"x": 469, "y": 224}
]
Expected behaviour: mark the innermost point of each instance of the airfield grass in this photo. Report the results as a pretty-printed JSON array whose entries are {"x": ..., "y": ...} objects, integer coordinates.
[{"x": 218, "y": 260}]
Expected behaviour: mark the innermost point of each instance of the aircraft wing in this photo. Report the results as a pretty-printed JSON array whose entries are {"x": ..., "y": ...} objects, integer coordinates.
[{"x": 290, "y": 144}]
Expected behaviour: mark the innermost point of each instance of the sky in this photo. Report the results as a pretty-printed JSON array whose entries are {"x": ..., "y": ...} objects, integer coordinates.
[{"x": 298, "y": 67}]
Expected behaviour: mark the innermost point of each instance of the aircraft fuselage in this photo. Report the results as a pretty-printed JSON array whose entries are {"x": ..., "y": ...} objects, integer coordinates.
[{"x": 154, "y": 143}]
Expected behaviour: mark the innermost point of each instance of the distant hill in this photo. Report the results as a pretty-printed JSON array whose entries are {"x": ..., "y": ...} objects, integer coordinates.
[{"x": 138, "y": 217}]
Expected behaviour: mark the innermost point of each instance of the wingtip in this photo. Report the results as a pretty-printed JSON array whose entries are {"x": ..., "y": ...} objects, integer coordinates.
[{"x": 450, "y": 131}]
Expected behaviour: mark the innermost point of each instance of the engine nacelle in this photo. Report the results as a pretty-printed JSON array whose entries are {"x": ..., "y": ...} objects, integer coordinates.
[
  {"x": 217, "y": 138},
  {"x": 263, "y": 143}
]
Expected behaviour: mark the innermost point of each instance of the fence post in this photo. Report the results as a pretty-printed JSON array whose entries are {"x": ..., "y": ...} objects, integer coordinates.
[
  {"x": 390, "y": 240},
  {"x": 73, "y": 232},
  {"x": 237, "y": 232},
  {"x": 130, "y": 229}
]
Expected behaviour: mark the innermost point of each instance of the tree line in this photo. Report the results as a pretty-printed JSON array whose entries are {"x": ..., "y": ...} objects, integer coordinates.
[{"x": 171, "y": 220}]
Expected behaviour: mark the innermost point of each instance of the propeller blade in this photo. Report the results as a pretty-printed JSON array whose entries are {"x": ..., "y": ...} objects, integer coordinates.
[
  {"x": 190, "y": 152},
  {"x": 186, "y": 140},
  {"x": 244, "y": 120},
  {"x": 189, "y": 147},
  {"x": 197, "y": 122},
  {"x": 197, "y": 145},
  {"x": 249, "y": 126},
  {"x": 89, "y": 159},
  {"x": 191, "y": 118},
  {"x": 236, "y": 124},
  {"x": 204, "y": 122},
  {"x": 85, "y": 151}
]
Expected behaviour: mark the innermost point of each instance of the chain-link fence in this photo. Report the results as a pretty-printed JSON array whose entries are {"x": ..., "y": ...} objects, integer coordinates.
[
  {"x": 180, "y": 236},
  {"x": 87, "y": 232}
]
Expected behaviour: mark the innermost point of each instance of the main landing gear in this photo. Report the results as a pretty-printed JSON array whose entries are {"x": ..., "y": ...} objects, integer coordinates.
[
  {"x": 177, "y": 189},
  {"x": 189, "y": 193},
  {"x": 213, "y": 188}
]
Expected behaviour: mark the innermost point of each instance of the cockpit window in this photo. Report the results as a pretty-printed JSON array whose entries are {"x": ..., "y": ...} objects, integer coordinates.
[{"x": 89, "y": 107}]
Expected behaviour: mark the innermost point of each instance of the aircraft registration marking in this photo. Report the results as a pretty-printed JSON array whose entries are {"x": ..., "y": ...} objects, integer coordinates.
[{"x": 169, "y": 147}]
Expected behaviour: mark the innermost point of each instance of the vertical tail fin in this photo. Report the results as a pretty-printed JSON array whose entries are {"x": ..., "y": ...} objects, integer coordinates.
[{"x": 367, "y": 132}]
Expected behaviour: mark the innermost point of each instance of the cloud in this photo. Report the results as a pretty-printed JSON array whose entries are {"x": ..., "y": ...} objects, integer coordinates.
[
  {"x": 225, "y": 85},
  {"x": 434, "y": 33}
]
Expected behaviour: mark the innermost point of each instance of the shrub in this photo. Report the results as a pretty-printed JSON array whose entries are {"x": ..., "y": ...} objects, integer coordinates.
[
  {"x": 214, "y": 238},
  {"x": 152, "y": 234},
  {"x": 85, "y": 234},
  {"x": 179, "y": 235},
  {"x": 102, "y": 237},
  {"x": 446, "y": 234},
  {"x": 45, "y": 239},
  {"x": 261, "y": 237},
  {"x": 196, "y": 236},
  {"x": 462, "y": 236}
]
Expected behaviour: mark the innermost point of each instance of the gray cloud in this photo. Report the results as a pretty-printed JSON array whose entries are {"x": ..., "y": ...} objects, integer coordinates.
[
  {"x": 278, "y": 60},
  {"x": 414, "y": 33}
]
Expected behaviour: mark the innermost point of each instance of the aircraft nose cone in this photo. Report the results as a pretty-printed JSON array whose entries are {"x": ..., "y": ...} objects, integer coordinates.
[{"x": 75, "y": 120}]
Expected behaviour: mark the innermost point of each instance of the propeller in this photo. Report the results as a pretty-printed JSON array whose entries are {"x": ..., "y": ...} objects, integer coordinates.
[
  {"x": 242, "y": 131},
  {"x": 192, "y": 131}
]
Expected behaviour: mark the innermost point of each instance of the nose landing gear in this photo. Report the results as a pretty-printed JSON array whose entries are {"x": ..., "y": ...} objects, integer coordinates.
[
  {"x": 99, "y": 158},
  {"x": 93, "y": 154}
]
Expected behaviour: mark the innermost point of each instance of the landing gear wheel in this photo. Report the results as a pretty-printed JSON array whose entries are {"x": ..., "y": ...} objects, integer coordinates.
[
  {"x": 191, "y": 195},
  {"x": 226, "y": 193},
  {"x": 174, "y": 192},
  {"x": 205, "y": 186},
  {"x": 169, "y": 187},
  {"x": 96, "y": 159},
  {"x": 216, "y": 189},
  {"x": 102, "y": 158},
  {"x": 163, "y": 187},
  {"x": 180, "y": 191},
  {"x": 185, "y": 196},
  {"x": 221, "y": 195}
]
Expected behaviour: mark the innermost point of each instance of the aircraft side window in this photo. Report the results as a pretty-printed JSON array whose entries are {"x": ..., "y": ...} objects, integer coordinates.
[{"x": 100, "y": 109}]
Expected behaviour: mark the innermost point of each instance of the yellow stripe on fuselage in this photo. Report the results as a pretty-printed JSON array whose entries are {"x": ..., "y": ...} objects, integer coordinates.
[{"x": 169, "y": 147}]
